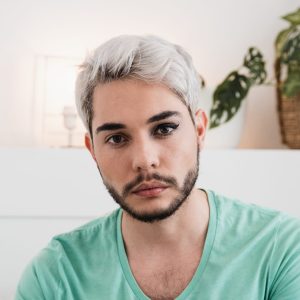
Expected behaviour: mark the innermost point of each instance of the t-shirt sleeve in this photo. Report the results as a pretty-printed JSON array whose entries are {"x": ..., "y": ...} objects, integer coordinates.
[
  {"x": 286, "y": 261},
  {"x": 40, "y": 280}
]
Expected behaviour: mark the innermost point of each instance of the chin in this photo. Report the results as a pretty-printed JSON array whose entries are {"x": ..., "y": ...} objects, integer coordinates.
[{"x": 154, "y": 210}]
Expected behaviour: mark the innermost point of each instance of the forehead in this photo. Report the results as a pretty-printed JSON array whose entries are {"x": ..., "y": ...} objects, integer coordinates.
[{"x": 123, "y": 100}]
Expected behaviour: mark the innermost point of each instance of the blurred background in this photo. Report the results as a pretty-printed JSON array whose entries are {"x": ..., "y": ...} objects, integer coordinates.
[
  {"x": 49, "y": 183},
  {"x": 42, "y": 42}
]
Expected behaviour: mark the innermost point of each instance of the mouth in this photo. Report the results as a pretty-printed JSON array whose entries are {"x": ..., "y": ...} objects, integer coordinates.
[{"x": 150, "y": 190}]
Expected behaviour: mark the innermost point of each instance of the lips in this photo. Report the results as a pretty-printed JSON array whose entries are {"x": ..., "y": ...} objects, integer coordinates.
[{"x": 150, "y": 190}]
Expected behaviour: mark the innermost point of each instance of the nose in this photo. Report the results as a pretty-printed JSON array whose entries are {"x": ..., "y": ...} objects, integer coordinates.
[{"x": 145, "y": 155}]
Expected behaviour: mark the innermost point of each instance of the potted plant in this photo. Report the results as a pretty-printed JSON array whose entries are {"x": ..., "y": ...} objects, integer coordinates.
[
  {"x": 229, "y": 95},
  {"x": 287, "y": 73},
  {"x": 228, "y": 98}
]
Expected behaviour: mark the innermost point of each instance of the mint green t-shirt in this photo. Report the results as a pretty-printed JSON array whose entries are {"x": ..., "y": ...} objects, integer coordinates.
[{"x": 250, "y": 253}]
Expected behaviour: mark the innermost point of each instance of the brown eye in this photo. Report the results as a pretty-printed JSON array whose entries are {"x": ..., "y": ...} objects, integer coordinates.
[
  {"x": 165, "y": 129},
  {"x": 116, "y": 139}
]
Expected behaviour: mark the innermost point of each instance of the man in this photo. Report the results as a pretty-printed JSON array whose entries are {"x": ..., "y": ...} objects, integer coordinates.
[{"x": 137, "y": 97}]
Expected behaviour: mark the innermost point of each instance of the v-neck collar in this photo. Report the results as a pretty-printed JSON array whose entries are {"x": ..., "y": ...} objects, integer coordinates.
[{"x": 208, "y": 245}]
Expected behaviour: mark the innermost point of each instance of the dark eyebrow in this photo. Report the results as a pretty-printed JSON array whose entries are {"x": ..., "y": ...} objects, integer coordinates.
[
  {"x": 163, "y": 115},
  {"x": 110, "y": 126},
  {"x": 155, "y": 118}
]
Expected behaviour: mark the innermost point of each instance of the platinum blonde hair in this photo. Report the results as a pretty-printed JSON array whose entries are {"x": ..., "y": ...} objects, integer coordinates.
[{"x": 147, "y": 58}]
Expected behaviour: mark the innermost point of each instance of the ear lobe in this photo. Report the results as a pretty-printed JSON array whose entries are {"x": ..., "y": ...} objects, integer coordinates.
[
  {"x": 89, "y": 145},
  {"x": 201, "y": 126}
]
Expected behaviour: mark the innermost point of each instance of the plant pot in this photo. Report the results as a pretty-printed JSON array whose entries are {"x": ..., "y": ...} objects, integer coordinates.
[{"x": 289, "y": 118}]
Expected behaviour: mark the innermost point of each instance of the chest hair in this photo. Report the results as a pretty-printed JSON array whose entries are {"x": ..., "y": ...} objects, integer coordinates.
[{"x": 166, "y": 281}]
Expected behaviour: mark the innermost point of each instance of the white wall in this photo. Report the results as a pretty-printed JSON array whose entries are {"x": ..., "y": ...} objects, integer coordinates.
[{"x": 216, "y": 33}]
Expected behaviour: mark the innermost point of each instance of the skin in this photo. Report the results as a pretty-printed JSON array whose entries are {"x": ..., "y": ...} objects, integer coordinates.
[{"x": 167, "y": 147}]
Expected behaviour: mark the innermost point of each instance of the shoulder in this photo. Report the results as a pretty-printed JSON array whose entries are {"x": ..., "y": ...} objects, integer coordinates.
[
  {"x": 236, "y": 211},
  {"x": 99, "y": 228},
  {"x": 232, "y": 213},
  {"x": 231, "y": 205},
  {"x": 244, "y": 223},
  {"x": 78, "y": 245},
  {"x": 269, "y": 233},
  {"x": 67, "y": 253}
]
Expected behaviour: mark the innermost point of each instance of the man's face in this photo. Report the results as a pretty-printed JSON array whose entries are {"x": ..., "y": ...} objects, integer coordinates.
[{"x": 146, "y": 147}]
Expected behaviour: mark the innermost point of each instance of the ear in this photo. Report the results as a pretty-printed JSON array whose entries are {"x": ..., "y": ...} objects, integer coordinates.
[
  {"x": 201, "y": 126},
  {"x": 89, "y": 145}
]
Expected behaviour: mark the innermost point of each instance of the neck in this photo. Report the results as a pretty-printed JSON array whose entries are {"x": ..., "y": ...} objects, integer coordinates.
[{"x": 186, "y": 228}]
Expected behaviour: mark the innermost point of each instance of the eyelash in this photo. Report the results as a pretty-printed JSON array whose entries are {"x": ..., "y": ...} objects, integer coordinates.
[{"x": 171, "y": 126}]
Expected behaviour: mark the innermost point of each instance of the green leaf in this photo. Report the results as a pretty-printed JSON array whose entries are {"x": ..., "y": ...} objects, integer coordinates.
[
  {"x": 291, "y": 49},
  {"x": 293, "y": 18},
  {"x": 227, "y": 98},
  {"x": 291, "y": 86},
  {"x": 255, "y": 63},
  {"x": 281, "y": 39}
]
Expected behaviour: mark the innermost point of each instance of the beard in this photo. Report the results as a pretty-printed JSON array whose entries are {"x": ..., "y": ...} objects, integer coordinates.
[{"x": 183, "y": 193}]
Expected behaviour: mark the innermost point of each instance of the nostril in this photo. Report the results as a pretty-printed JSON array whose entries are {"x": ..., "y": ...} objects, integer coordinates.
[{"x": 140, "y": 164}]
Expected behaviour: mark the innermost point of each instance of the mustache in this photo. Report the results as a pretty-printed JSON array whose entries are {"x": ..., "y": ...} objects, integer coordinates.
[{"x": 140, "y": 178}]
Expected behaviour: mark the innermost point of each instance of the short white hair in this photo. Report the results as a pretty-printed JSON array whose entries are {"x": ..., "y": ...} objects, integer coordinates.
[{"x": 147, "y": 58}]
